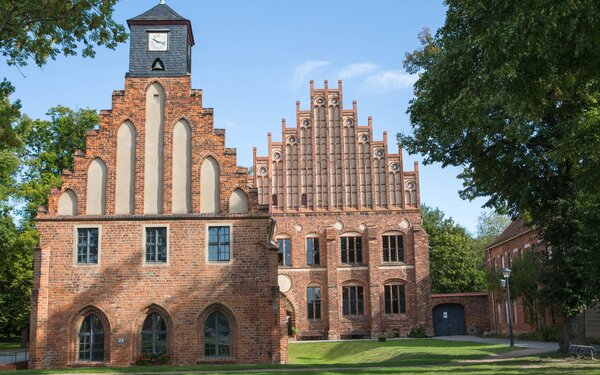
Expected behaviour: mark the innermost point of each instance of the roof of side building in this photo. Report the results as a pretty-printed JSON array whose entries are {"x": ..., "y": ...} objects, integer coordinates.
[{"x": 516, "y": 228}]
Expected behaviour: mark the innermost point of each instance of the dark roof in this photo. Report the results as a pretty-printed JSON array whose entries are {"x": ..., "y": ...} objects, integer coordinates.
[
  {"x": 161, "y": 12},
  {"x": 516, "y": 228}
]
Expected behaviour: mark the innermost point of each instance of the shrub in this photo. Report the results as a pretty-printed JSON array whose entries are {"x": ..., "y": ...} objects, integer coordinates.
[
  {"x": 550, "y": 333},
  {"x": 417, "y": 331},
  {"x": 152, "y": 359}
]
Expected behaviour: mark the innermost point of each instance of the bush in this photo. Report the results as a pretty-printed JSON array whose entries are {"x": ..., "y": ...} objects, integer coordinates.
[
  {"x": 152, "y": 359},
  {"x": 550, "y": 333},
  {"x": 418, "y": 332}
]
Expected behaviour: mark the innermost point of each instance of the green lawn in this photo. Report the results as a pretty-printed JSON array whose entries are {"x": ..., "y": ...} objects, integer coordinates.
[
  {"x": 418, "y": 356},
  {"x": 393, "y": 352},
  {"x": 9, "y": 346}
]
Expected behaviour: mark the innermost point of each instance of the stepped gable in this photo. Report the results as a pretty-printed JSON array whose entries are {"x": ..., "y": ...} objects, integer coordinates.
[{"x": 328, "y": 162}]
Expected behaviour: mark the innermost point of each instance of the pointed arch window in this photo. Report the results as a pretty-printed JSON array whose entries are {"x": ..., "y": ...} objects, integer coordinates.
[
  {"x": 217, "y": 336},
  {"x": 154, "y": 334},
  {"x": 91, "y": 339}
]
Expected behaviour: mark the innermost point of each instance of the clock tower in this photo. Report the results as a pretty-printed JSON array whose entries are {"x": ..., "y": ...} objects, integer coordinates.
[{"x": 160, "y": 45}]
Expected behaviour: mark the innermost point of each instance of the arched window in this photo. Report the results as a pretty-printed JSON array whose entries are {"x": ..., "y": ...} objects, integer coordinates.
[
  {"x": 154, "y": 334},
  {"x": 394, "y": 298},
  {"x": 91, "y": 339},
  {"x": 217, "y": 337}
]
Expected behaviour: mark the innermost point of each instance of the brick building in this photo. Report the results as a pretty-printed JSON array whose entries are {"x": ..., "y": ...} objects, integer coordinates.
[
  {"x": 353, "y": 256},
  {"x": 155, "y": 243},
  {"x": 515, "y": 240}
]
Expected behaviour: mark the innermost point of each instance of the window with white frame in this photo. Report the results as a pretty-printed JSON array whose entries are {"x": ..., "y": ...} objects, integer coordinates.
[
  {"x": 219, "y": 244},
  {"x": 156, "y": 244},
  {"x": 87, "y": 245}
]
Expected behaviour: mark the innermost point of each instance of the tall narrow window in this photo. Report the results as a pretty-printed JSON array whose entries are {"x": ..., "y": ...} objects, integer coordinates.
[
  {"x": 91, "y": 339},
  {"x": 393, "y": 248},
  {"x": 87, "y": 245},
  {"x": 156, "y": 245},
  {"x": 154, "y": 335},
  {"x": 351, "y": 249},
  {"x": 284, "y": 252},
  {"x": 314, "y": 302},
  {"x": 312, "y": 251},
  {"x": 217, "y": 338},
  {"x": 353, "y": 301},
  {"x": 395, "y": 300},
  {"x": 219, "y": 244},
  {"x": 304, "y": 200}
]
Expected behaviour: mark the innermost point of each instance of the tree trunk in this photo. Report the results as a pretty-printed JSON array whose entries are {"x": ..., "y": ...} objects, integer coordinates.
[{"x": 572, "y": 333}]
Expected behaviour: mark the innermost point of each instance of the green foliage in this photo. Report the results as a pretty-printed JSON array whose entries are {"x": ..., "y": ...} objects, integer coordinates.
[
  {"x": 49, "y": 149},
  {"x": 509, "y": 90},
  {"x": 417, "y": 332},
  {"x": 490, "y": 225},
  {"x": 456, "y": 263},
  {"x": 548, "y": 334},
  {"x": 16, "y": 275},
  {"x": 152, "y": 359},
  {"x": 42, "y": 29},
  {"x": 9, "y": 142}
]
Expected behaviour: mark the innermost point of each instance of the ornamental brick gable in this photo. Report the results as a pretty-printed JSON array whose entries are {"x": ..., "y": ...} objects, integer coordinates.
[{"x": 328, "y": 179}]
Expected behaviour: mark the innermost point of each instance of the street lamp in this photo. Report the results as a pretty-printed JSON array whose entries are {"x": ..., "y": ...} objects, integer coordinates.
[{"x": 506, "y": 273}]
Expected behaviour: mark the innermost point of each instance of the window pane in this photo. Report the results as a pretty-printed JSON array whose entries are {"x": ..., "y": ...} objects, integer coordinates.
[
  {"x": 395, "y": 300},
  {"x": 309, "y": 251},
  {"x": 388, "y": 300},
  {"x": 316, "y": 255},
  {"x": 352, "y": 300},
  {"x": 361, "y": 304},
  {"x": 345, "y": 301},
  {"x": 288, "y": 255},
  {"x": 280, "y": 252},
  {"x": 402, "y": 300},
  {"x": 317, "y": 298}
]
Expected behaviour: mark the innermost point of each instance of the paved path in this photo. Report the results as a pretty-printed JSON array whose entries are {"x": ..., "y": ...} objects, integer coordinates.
[{"x": 539, "y": 345}]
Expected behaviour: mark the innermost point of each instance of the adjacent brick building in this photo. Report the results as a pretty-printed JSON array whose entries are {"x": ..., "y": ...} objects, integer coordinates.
[
  {"x": 353, "y": 256},
  {"x": 155, "y": 243},
  {"x": 516, "y": 239}
]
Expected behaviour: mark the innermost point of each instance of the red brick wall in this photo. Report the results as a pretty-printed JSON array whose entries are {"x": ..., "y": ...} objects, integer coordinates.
[
  {"x": 475, "y": 304},
  {"x": 121, "y": 288},
  {"x": 331, "y": 275},
  {"x": 497, "y": 301}
]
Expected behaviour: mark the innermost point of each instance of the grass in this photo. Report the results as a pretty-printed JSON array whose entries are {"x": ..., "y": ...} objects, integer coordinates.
[
  {"x": 9, "y": 346},
  {"x": 411, "y": 356},
  {"x": 392, "y": 352}
]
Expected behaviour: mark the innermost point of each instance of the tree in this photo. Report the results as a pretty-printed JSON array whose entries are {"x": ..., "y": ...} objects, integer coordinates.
[
  {"x": 490, "y": 225},
  {"x": 509, "y": 90},
  {"x": 456, "y": 263},
  {"x": 49, "y": 149},
  {"x": 9, "y": 141},
  {"x": 42, "y": 29}
]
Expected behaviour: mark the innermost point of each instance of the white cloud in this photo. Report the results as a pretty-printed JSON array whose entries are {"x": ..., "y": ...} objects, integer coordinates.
[
  {"x": 356, "y": 70},
  {"x": 306, "y": 71},
  {"x": 390, "y": 80},
  {"x": 226, "y": 123}
]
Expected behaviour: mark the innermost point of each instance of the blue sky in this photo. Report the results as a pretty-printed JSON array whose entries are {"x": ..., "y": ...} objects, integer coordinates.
[{"x": 254, "y": 59}]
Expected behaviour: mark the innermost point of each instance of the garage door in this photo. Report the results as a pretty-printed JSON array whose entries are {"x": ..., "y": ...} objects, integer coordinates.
[{"x": 449, "y": 319}]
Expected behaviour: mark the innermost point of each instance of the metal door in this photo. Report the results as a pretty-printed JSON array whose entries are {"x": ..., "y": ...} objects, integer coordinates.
[{"x": 449, "y": 319}]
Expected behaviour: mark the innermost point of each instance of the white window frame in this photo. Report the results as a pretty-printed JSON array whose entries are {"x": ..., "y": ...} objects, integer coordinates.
[
  {"x": 206, "y": 243},
  {"x": 76, "y": 235},
  {"x": 155, "y": 264}
]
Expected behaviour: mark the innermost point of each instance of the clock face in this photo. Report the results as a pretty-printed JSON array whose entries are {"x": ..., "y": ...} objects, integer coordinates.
[{"x": 157, "y": 41}]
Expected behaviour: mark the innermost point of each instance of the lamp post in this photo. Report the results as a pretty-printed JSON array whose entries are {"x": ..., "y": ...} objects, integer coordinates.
[{"x": 506, "y": 273}]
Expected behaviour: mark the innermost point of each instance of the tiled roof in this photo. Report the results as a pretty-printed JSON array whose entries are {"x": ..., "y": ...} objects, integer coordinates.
[
  {"x": 161, "y": 12},
  {"x": 516, "y": 228}
]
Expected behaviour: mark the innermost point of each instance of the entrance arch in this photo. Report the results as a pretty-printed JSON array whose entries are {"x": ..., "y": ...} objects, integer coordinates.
[
  {"x": 449, "y": 319},
  {"x": 290, "y": 314}
]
